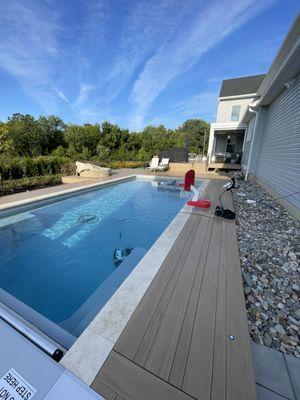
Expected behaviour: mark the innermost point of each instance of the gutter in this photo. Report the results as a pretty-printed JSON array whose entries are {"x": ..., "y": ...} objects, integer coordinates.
[{"x": 252, "y": 141}]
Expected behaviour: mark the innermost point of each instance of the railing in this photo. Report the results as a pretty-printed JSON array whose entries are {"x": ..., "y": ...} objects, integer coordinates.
[{"x": 225, "y": 158}]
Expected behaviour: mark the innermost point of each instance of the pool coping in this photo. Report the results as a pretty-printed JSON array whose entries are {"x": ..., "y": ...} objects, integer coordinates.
[
  {"x": 87, "y": 355},
  {"x": 48, "y": 196}
]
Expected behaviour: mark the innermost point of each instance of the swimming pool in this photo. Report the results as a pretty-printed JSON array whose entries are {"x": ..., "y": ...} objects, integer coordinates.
[{"x": 57, "y": 266}]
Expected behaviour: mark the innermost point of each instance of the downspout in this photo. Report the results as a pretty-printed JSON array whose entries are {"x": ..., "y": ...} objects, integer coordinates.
[{"x": 252, "y": 141}]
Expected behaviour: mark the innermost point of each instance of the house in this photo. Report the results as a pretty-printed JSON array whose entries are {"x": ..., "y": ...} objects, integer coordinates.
[
  {"x": 258, "y": 125},
  {"x": 228, "y": 133}
]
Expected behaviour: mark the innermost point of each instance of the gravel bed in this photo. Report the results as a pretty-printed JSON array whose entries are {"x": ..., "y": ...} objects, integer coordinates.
[{"x": 269, "y": 243}]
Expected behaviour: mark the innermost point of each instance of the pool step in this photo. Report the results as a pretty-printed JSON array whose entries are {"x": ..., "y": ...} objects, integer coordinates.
[{"x": 79, "y": 320}]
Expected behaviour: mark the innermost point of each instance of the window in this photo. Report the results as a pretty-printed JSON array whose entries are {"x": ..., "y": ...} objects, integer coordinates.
[{"x": 235, "y": 113}]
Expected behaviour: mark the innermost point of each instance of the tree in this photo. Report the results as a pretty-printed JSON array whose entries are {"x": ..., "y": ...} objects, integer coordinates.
[
  {"x": 194, "y": 131},
  {"x": 111, "y": 136},
  {"x": 53, "y": 131},
  {"x": 5, "y": 142},
  {"x": 25, "y": 136},
  {"x": 82, "y": 139},
  {"x": 157, "y": 138}
]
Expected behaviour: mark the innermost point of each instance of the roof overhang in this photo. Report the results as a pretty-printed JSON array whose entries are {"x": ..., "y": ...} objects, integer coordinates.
[
  {"x": 240, "y": 96},
  {"x": 285, "y": 67},
  {"x": 288, "y": 71},
  {"x": 230, "y": 126}
]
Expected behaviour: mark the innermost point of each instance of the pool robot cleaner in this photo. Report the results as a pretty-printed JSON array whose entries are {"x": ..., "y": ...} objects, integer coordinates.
[{"x": 119, "y": 253}]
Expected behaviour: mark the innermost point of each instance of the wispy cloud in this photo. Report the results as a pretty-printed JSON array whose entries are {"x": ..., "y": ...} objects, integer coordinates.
[
  {"x": 60, "y": 94},
  {"x": 84, "y": 90},
  {"x": 109, "y": 59},
  {"x": 210, "y": 27},
  {"x": 29, "y": 48},
  {"x": 147, "y": 25},
  {"x": 201, "y": 105}
]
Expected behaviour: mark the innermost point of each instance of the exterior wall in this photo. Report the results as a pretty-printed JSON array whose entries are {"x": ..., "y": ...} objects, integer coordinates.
[
  {"x": 276, "y": 156},
  {"x": 257, "y": 138},
  {"x": 224, "y": 108},
  {"x": 247, "y": 143}
]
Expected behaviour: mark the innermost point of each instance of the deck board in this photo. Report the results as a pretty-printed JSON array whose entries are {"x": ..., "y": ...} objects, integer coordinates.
[
  {"x": 239, "y": 359},
  {"x": 133, "y": 382},
  {"x": 180, "y": 359},
  {"x": 152, "y": 331},
  {"x": 169, "y": 330},
  {"x": 129, "y": 345},
  {"x": 176, "y": 345},
  {"x": 202, "y": 341},
  {"x": 105, "y": 390}
]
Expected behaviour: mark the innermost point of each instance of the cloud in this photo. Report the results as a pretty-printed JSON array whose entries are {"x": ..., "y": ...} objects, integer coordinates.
[
  {"x": 111, "y": 54},
  {"x": 148, "y": 24},
  {"x": 201, "y": 105},
  {"x": 209, "y": 27},
  {"x": 29, "y": 49},
  {"x": 84, "y": 90},
  {"x": 60, "y": 94}
]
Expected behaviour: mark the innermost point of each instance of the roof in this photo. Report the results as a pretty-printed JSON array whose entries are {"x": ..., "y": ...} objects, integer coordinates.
[
  {"x": 240, "y": 86},
  {"x": 285, "y": 67},
  {"x": 175, "y": 154}
]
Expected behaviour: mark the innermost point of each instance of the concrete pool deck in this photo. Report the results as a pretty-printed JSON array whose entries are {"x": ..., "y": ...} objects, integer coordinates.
[{"x": 74, "y": 182}]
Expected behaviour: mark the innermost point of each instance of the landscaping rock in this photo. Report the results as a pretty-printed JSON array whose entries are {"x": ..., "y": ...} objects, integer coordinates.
[{"x": 269, "y": 243}]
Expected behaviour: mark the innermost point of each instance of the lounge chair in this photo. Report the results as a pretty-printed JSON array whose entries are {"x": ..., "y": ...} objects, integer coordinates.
[
  {"x": 154, "y": 164},
  {"x": 164, "y": 165}
]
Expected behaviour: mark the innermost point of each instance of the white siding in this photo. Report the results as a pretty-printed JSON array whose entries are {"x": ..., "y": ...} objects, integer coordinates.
[
  {"x": 277, "y": 155},
  {"x": 225, "y": 107}
]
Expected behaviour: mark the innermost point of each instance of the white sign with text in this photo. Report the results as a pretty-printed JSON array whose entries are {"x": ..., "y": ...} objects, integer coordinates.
[{"x": 14, "y": 387}]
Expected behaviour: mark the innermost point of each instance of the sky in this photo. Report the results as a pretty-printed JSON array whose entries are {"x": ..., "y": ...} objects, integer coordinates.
[{"x": 132, "y": 62}]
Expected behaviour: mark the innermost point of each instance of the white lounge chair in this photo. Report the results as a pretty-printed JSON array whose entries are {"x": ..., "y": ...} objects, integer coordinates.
[
  {"x": 164, "y": 165},
  {"x": 154, "y": 164}
]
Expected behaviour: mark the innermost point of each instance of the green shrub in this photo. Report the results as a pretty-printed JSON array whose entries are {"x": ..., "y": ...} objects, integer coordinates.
[
  {"x": 22, "y": 167},
  {"x": 126, "y": 164},
  {"x": 21, "y": 185}
]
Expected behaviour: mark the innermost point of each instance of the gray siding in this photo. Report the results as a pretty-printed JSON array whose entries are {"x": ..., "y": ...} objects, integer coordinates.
[
  {"x": 276, "y": 159},
  {"x": 258, "y": 139},
  {"x": 247, "y": 141}
]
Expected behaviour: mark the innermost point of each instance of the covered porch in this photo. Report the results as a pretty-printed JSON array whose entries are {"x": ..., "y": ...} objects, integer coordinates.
[{"x": 227, "y": 149}]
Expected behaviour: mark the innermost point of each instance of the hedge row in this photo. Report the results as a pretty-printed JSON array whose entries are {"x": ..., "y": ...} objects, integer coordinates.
[
  {"x": 18, "y": 168},
  {"x": 121, "y": 164},
  {"x": 21, "y": 185}
]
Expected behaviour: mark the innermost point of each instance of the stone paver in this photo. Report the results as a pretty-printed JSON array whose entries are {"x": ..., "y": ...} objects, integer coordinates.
[
  {"x": 271, "y": 371},
  {"x": 293, "y": 366},
  {"x": 266, "y": 394}
]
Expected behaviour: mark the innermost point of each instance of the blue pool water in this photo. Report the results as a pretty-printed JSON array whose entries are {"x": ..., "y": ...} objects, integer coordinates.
[{"x": 55, "y": 257}]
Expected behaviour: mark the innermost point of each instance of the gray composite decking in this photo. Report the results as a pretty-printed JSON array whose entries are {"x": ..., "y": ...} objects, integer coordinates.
[{"x": 188, "y": 337}]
